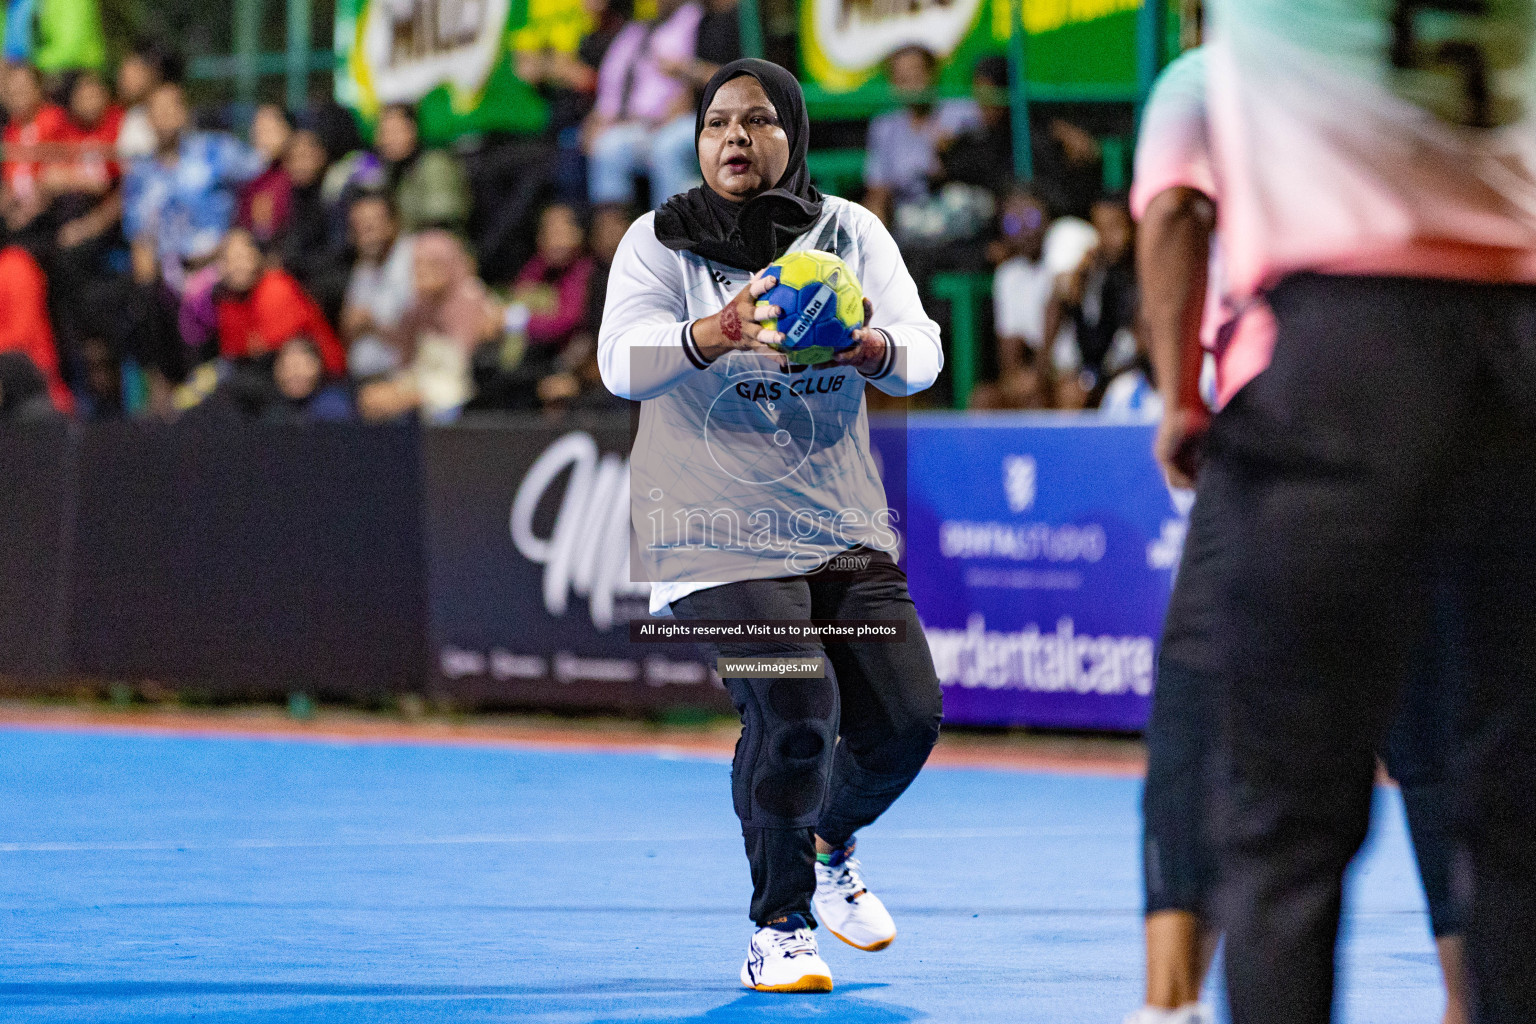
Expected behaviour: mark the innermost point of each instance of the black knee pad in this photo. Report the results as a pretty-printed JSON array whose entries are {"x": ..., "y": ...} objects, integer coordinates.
[
  {"x": 793, "y": 752},
  {"x": 794, "y": 699}
]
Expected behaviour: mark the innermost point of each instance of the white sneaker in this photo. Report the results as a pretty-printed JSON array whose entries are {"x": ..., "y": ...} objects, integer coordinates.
[
  {"x": 1194, "y": 1013},
  {"x": 848, "y": 909},
  {"x": 783, "y": 958}
]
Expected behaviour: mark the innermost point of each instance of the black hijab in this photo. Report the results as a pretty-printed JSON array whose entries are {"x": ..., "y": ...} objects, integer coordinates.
[{"x": 749, "y": 235}]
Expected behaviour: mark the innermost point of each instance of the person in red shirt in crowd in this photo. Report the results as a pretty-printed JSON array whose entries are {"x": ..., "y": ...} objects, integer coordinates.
[
  {"x": 266, "y": 201},
  {"x": 24, "y": 325},
  {"x": 86, "y": 202},
  {"x": 32, "y": 133},
  {"x": 85, "y": 206},
  {"x": 261, "y": 307},
  {"x": 92, "y": 130}
]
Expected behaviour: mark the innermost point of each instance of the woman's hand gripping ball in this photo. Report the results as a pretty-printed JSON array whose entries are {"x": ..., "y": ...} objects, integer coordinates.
[
  {"x": 738, "y": 327},
  {"x": 868, "y": 351}
]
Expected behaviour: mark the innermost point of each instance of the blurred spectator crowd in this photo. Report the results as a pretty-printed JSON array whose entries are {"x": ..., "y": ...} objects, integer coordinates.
[
  {"x": 155, "y": 262},
  {"x": 1060, "y": 247}
]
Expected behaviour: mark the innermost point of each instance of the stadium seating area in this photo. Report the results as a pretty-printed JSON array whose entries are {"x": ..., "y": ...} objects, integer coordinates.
[{"x": 162, "y": 261}]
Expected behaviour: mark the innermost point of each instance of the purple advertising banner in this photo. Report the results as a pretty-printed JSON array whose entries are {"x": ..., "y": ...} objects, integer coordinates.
[{"x": 1041, "y": 551}]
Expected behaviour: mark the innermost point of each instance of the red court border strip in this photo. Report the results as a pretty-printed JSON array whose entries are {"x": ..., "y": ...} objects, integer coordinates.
[{"x": 962, "y": 754}]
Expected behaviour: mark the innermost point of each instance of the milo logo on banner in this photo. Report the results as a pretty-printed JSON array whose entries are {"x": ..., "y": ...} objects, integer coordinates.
[
  {"x": 434, "y": 28},
  {"x": 453, "y": 57},
  {"x": 408, "y": 47},
  {"x": 843, "y": 41}
]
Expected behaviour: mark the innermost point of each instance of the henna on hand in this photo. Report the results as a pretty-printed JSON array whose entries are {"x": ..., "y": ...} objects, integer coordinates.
[{"x": 730, "y": 324}]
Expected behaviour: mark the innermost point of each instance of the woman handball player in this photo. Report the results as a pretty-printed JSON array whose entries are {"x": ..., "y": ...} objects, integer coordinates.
[{"x": 756, "y": 497}]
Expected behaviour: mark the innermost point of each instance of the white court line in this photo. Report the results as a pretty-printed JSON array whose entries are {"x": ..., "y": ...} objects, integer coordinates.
[{"x": 512, "y": 840}]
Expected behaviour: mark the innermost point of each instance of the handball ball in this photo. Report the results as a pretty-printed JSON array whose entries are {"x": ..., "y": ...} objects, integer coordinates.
[{"x": 822, "y": 301}]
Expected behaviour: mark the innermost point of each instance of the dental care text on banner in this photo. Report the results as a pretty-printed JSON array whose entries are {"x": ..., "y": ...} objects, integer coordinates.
[
  {"x": 843, "y": 42},
  {"x": 1041, "y": 553}
]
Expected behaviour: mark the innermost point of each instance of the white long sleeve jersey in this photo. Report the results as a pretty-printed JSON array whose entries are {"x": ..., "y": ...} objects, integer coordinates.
[{"x": 746, "y": 467}]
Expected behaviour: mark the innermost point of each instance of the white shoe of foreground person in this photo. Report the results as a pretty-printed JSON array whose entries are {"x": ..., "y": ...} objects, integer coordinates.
[
  {"x": 847, "y": 908},
  {"x": 1194, "y": 1013},
  {"x": 783, "y": 958}
]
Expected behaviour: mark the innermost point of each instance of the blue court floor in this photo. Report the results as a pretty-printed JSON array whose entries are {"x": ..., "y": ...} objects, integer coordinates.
[{"x": 230, "y": 880}]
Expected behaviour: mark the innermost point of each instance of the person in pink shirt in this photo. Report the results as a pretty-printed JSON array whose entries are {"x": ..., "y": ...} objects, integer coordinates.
[
  {"x": 1378, "y": 192},
  {"x": 553, "y": 284},
  {"x": 1175, "y": 197},
  {"x": 643, "y": 116},
  {"x": 547, "y": 309},
  {"x": 266, "y": 201}
]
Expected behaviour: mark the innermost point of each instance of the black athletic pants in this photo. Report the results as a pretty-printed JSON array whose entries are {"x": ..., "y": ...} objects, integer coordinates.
[
  {"x": 1178, "y": 848},
  {"x": 1420, "y": 754},
  {"x": 792, "y": 778},
  {"x": 1178, "y": 851},
  {"x": 1393, "y": 433}
]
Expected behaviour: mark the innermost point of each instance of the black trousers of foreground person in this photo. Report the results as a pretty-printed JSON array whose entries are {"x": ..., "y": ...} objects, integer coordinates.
[
  {"x": 821, "y": 756},
  {"x": 1394, "y": 432},
  {"x": 1183, "y": 735}
]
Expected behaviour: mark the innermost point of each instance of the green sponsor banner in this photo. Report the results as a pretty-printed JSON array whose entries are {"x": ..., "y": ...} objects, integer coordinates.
[
  {"x": 455, "y": 58},
  {"x": 843, "y": 43},
  {"x": 69, "y": 35}
]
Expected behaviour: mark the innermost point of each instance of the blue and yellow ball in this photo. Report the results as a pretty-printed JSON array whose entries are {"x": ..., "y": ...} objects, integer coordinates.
[{"x": 822, "y": 301}]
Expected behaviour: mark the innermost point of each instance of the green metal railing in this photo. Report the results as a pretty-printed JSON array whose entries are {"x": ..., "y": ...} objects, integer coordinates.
[
  {"x": 962, "y": 291},
  {"x": 1018, "y": 95},
  {"x": 749, "y": 21},
  {"x": 837, "y": 172},
  {"x": 225, "y": 67},
  {"x": 247, "y": 65}
]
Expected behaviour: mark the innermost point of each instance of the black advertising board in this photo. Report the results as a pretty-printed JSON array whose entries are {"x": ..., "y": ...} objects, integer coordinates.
[
  {"x": 250, "y": 560},
  {"x": 527, "y": 527},
  {"x": 482, "y": 563},
  {"x": 36, "y": 515}
]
